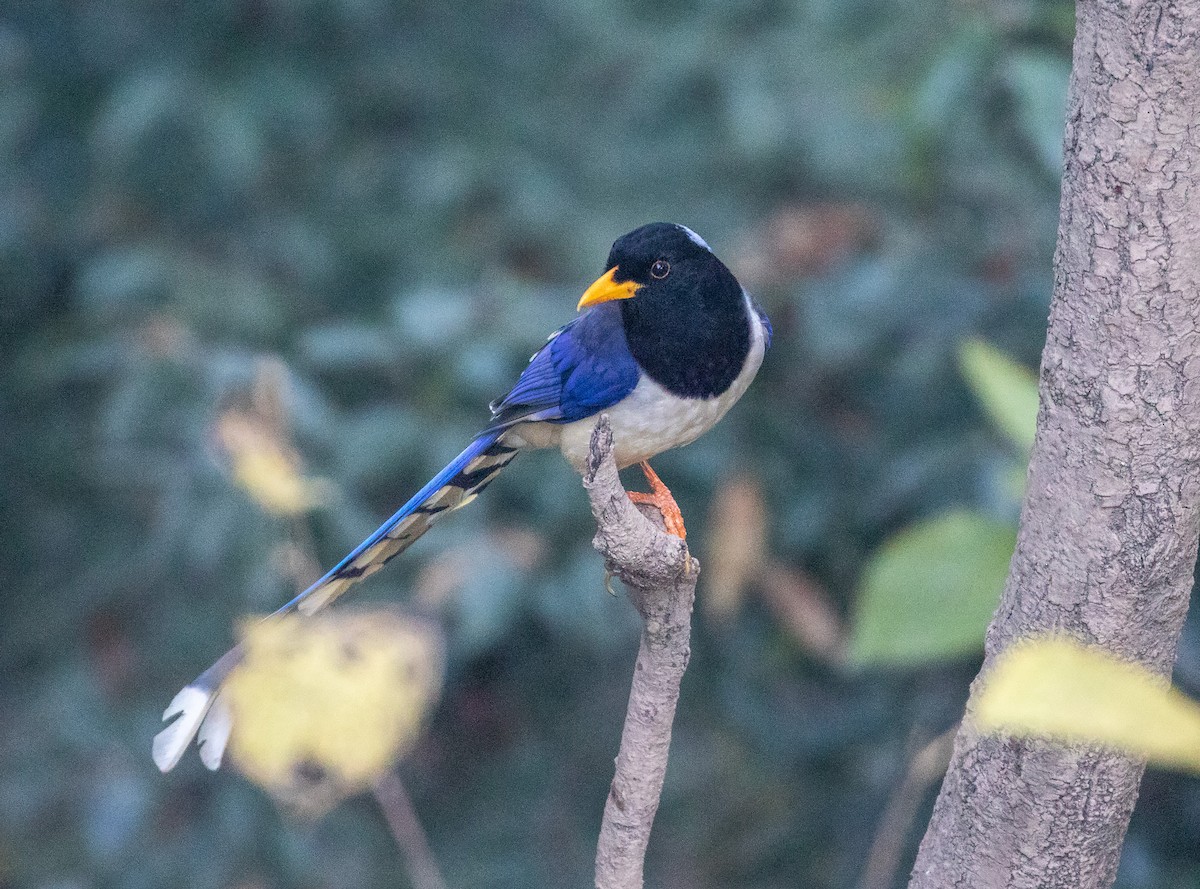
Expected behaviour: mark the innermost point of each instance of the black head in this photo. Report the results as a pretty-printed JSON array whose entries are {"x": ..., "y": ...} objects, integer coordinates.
[{"x": 684, "y": 312}]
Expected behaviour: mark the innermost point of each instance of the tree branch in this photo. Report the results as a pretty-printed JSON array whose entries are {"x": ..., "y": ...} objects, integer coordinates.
[
  {"x": 402, "y": 820},
  {"x": 660, "y": 580},
  {"x": 1108, "y": 536}
]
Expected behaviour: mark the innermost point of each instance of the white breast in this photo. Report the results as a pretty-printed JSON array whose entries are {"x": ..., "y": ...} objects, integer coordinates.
[{"x": 650, "y": 419}]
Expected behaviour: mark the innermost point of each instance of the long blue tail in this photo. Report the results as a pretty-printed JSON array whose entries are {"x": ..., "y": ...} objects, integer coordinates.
[{"x": 452, "y": 488}]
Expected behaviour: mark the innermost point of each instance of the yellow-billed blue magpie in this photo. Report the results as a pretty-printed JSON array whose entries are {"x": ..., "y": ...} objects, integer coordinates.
[{"x": 666, "y": 342}]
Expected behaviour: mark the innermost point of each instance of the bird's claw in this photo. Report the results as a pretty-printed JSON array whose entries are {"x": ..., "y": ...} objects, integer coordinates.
[{"x": 660, "y": 498}]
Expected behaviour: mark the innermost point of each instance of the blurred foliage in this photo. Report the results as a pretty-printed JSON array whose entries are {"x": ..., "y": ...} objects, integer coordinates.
[
  {"x": 1005, "y": 389},
  {"x": 261, "y": 459},
  {"x": 393, "y": 204},
  {"x": 930, "y": 591},
  {"x": 1058, "y": 689}
]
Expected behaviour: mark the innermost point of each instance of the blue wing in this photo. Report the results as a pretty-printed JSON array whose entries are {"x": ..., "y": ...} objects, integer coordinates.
[{"x": 584, "y": 368}]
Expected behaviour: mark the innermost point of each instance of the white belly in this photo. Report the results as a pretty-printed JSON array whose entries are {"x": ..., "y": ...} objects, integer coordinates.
[{"x": 650, "y": 419}]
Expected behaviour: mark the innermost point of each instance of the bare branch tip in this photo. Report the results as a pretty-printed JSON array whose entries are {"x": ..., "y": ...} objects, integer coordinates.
[{"x": 600, "y": 450}]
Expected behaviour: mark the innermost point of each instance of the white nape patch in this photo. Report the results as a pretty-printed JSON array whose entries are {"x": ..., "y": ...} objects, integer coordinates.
[
  {"x": 190, "y": 705},
  {"x": 214, "y": 733},
  {"x": 695, "y": 238}
]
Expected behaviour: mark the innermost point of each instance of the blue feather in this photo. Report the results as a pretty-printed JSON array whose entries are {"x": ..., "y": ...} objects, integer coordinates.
[
  {"x": 585, "y": 368},
  {"x": 451, "y": 488}
]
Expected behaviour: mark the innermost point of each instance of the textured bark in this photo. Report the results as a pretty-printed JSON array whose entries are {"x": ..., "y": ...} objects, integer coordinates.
[
  {"x": 660, "y": 579},
  {"x": 1108, "y": 535}
]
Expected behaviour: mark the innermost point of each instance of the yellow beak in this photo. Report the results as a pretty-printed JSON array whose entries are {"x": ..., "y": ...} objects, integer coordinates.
[{"x": 605, "y": 289}]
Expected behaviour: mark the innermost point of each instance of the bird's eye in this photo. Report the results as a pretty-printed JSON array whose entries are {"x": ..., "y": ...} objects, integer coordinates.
[{"x": 660, "y": 269}]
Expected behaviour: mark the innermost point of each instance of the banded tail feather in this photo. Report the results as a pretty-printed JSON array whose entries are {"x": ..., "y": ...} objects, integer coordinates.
[
  {"x": 452, "y": 488},
  {"x": 198, "y": 712}
]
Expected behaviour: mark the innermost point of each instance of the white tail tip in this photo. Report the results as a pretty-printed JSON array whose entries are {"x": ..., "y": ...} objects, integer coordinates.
[
  {"x": 214, "y": 733},
  {"x": 190, "y": 706}
]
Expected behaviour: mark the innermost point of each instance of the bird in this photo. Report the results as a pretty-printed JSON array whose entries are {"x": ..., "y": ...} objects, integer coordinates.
[{"x": 665, "y": 342}]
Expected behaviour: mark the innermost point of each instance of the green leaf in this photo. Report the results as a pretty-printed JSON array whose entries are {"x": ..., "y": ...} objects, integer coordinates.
[
  {"x": 1056, "y": 688},
  {"x": 1008, "y": 391},
  {"x": 930, "y": 591}
]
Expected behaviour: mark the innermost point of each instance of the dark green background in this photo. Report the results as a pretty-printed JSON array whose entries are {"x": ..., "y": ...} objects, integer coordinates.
[{"x": 399, "y": 201}]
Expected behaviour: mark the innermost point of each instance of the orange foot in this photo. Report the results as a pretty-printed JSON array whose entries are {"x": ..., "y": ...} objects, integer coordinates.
[{"x": 660, "y": 498}]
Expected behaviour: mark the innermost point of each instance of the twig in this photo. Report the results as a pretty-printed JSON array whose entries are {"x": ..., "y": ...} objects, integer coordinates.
[
  {"x": 925, "y": 768},
  {"x": 660, "y": 579},
  {"x": 406, "y": 828}
]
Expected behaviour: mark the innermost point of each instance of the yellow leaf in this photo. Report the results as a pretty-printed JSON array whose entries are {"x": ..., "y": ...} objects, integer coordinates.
[
  {"x": 265, "y": 467},
  {"x": 1056, "y": 688},
  {"x": 323, "y": 706},
  {"x": 275, "y": 484}
]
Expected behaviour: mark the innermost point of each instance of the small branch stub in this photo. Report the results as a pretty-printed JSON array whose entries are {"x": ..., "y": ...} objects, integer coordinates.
[{"x": 660, "y": 578}]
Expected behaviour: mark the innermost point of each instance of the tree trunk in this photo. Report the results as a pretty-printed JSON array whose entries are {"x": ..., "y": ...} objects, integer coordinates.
[{"x": 1109, "y": 528}]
